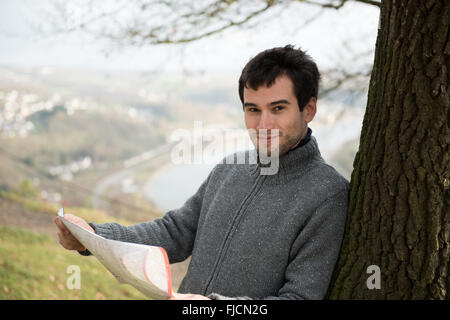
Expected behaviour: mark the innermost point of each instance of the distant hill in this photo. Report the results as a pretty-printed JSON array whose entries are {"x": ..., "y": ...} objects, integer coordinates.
[{"x": 52, "y": 118}]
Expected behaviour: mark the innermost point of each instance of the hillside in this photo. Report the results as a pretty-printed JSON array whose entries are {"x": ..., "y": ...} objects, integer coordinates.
[
  {"x": 33, "y": 265},
  {"x": 80, "y": 126}
]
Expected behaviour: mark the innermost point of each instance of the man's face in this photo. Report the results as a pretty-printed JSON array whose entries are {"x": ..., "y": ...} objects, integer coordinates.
[{"x": 269, "y": 108}]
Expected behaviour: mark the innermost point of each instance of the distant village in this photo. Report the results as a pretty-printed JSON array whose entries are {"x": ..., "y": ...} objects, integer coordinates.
[{"x": 16, "y": 107}]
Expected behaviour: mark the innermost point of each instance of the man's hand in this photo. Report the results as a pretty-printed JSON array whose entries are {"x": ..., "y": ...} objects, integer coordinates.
[
  {"x": 188, "y": 296},
  {"x": 66, "y": 239}
]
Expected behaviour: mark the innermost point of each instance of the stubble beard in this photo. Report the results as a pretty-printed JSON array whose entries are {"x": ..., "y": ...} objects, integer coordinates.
[{"x": 279, "y": 146}]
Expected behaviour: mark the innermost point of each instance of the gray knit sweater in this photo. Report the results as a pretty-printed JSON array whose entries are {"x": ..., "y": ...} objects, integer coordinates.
[{"x": 252, "y": 235}]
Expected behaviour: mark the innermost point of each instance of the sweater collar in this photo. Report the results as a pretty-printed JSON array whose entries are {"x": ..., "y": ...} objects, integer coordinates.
[{"x": 305, "y": 140}]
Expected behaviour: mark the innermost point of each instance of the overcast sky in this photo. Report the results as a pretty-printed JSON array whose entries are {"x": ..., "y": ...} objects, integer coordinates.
[{"x": 333, "y": 38}]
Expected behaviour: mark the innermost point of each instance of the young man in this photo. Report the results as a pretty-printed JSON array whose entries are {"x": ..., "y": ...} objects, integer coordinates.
[{"x": 255, "y": 236}]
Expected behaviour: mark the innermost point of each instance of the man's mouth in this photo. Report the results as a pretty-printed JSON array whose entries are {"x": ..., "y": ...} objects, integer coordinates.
[{"x": 268, "y": 137}]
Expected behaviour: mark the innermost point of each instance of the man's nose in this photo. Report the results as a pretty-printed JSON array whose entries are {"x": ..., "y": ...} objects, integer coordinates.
[{"x": 266, "y": 121}]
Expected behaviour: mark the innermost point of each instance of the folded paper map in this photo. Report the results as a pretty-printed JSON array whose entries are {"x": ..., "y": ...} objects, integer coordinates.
[{"x": 144, "y": 267}]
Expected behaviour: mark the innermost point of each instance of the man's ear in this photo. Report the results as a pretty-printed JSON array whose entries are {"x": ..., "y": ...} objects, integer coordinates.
[{"x": 310, "y": 109}]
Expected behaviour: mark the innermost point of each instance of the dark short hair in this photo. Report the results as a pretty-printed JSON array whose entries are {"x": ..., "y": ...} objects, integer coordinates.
[{"x": 264, "y": 68}]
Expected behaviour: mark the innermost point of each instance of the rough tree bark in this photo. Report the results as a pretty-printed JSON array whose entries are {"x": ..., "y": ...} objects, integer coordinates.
[{"x": 399, "y": 216}]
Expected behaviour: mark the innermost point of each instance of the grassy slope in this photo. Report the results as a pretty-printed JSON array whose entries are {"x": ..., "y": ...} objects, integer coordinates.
[{"x": 34, "y": 265}]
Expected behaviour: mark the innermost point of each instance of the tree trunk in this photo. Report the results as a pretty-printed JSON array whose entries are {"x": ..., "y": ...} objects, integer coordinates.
[{"x": 398, "y": 217}]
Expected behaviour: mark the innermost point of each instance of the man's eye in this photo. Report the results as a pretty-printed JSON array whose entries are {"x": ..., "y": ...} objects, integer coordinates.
[
  {"x": 252, "y": 109},
  {"x": 278, "y": 108}
]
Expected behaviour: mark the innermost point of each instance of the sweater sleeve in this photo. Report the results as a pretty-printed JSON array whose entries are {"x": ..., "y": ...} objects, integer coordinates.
[
  {"x": 313, "y": 254},
  {"x": 175, "y": 231}
]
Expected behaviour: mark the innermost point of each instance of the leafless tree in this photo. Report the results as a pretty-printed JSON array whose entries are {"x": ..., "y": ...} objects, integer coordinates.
[
  {"x": 145, "y": 23},
  {"x": 150, "y": 22}
]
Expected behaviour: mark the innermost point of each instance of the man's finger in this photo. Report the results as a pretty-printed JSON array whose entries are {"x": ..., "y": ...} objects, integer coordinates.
[
  {"x": 61, "y": 225},
  {"x": 70, "y": 243},
  {"x": 80, "y": 222},
  {"x": 62, "y": 240}
]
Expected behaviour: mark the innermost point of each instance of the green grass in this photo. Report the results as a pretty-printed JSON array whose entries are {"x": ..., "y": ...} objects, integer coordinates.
[{"x": 34, "y": 266}]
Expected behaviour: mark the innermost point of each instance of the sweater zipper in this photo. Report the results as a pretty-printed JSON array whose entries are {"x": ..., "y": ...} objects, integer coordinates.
[{"x": 234, "y": 224}]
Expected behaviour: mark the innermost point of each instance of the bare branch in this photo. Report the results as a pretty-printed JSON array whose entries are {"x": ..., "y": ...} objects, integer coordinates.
[
  {"x": 147, "y": 22},
  {"x": 218, "y": 30},
  {"x": 141, "y": 23},
  {"x": 374, "y": 3},
  {"x": 331, "y": 5},
  {"x": 326, "y": 5},
  {"x": 339, "y": 77}
]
